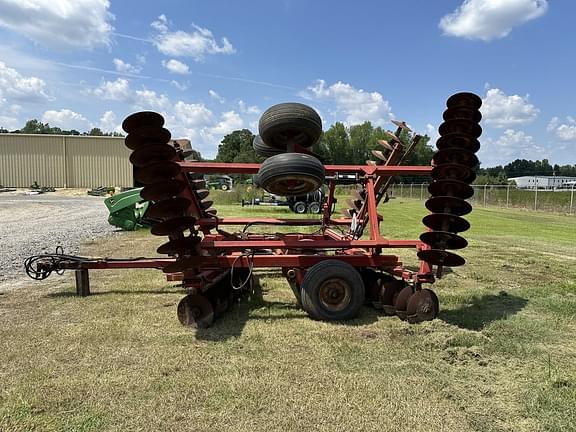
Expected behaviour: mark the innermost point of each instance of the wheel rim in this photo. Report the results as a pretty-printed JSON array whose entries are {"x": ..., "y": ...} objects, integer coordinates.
[
  {"x": 224, "y": 187},
  {"x": 334, "y": 295},
  {"x": 293, "y": 184},
  {"x": 300, "y": 208},
  {"x": 314, "y": 208}
]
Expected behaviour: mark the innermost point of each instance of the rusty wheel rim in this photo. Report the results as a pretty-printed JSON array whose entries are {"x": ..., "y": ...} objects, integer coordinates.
[{"x": 334, "y": 295}]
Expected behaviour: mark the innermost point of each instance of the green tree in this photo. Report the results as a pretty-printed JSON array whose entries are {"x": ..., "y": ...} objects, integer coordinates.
[
  {"x": 96, "y": 132},
  {"x": 237, "y": 147},
  {"x": 35, "y": 126}
]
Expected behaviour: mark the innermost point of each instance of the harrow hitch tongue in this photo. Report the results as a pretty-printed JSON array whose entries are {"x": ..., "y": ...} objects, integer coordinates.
[{"x": 334, "y": 269}]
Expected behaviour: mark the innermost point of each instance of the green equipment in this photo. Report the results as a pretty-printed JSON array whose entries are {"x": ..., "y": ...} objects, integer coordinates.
[{"x": 127, "y": 209}]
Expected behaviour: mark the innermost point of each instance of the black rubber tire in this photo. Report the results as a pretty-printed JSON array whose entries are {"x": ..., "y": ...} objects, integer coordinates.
[
  {"x": 315, "y": 207},
  {"x": 326, "y": 275},
  {"x": 224, "y": 187},
  {"x": 290, "y": 123},
  {"x": 299, "y": 207},
  {"x": 291, "y": 174},
  {"x": 263, "y": 149}
]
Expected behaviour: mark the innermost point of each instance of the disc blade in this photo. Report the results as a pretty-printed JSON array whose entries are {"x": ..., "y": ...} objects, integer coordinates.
[
  {"x": 455, "y": 155},
  {"x": 447, "y": 204},
  {"x": 422, "y": 306},
  {"x": 402, "y": 125},
  {"x": 461, "y": 126},
  {"x": 168, "y": 208},
  {"x": 211, "y": 212},
  {"x": 401, "y": 301},
  {"x": 385, "y": 144},
  {"x": 174, "y": 226},
  {"x": 380, "y": 155},
  {"x": 162, "y": 190},
  {"x": 196, "y": 311},
  {"x": 348, "y": 212},
  {"x": 147, "y": 134},
  {"x": 453, "y": 171},
  {"x": 392, "y": 136},
  {"x": 457, "y": 140},
  {"x": 462, "y": 112},
  {"x": 153, "y": 153},
  {"x": 206, "y": 204},
  {"x": 371, "y": 162},
  {"x": 452, "y": 188},
  {"x": 142, "y": 118},
  {"x": 441, "y": 258},
  {"x": 464, "y": 99},
  {"x": 157, "y": 172},
  {"x": 198, "y": 184},
  {"x": 443, "y": 240},
  {"x": 356, "y": 204},
  {"x": 184, "y": 263},
  {"x": 358, "y": 195},
  {"x": 446, "y": 222},
  {"x": 181, "y": 246},
  {"x": 202, "y": 193}
]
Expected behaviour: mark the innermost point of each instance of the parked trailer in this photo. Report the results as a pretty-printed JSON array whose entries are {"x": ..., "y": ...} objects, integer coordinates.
[{"x": 332, "y": 271}]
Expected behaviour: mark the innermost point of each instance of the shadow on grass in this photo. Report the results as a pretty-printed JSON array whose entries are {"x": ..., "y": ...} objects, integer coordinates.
[{"x": 484, "y": 310}]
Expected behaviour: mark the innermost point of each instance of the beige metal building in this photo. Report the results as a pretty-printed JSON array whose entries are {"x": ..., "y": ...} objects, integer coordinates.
[{"x": 64, "y": 161}]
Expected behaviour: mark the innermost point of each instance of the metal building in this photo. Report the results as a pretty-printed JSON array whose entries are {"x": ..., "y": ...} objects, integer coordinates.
[
  {"x": 544, "y": 182},
  {"x": 64, "y": 161}
]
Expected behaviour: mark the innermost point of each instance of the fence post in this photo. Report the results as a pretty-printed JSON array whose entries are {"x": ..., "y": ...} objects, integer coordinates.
[
  {"x": 411, "y": 190},
  {"x": 421, "y": 191},
  {"x": 572, "y": 199},
  {"x": 401, "y": 190},
  {"x": 508, "y": 196},
  {"x": 535, "y": 196},
  {"x": 485, "y": 187}
]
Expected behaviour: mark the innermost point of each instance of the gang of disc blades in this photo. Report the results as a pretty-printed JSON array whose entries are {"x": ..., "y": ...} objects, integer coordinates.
[
  {"x": 464, "y": 99},
  {"x": 446, "y": 222},
  {"x": 452, "y": 188},
  {"x": 462, "y": 113},
  {"x": 162, "y": 190},
  {"x": 448, "y": 204},
  {"x": 455, "y": 155},
  {"x": 453, "y": 171},
  {"x": 152, "y": 153},
  {"x": 174, "y": 226},
  {"x": 147, "y": 134},
  {"x": 195, "y": 311},
  {"x": 168, "y": 208},
  {"x": 456, "y": 140},
  {"x": 181, "y": 246},
  {"x": 462, "y": 126},
  {"x": 157, "y": 172},
  {"x": 443, "y": 240},
  {"x": 441, "y": 258},
  {"x": 142, "y": 118}
]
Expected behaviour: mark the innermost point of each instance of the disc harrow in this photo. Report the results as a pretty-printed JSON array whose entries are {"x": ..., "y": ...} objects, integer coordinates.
[{"x": 333, "y": 270}]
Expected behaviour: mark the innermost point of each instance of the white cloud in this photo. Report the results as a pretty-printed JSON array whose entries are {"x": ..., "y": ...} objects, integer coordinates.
[
  {"x": 180, "y": 86},
  {"x": 192, "y": 115},
  {"x": 118, "y": 90},
  {"x": 248, "y": 109},
  {"x": 150, "y": 100},
  {"x": 512, "y": 144},
  {"x": 565, "y": 131},
  {"x": 356, "y": 105},
  {"x": 196, "y": 44},
  {"x": 216, "y": 96},
  {"x": 10, "y": 123},
  {"x": 500, "y": 110},
  {"x": 59, "y": 23},
  {"x": 230, "y": 121},
  {"x": 19, "y": 88},
  {"x": 176, "y": 66},
  {"x": 66, "y": 119},
  {"x": 109, "y": 123},
  {"x": 123, "y": 67},
  {"x": 490, "y": 19}
]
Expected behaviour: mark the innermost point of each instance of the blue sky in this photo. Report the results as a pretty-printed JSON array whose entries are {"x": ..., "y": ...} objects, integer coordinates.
[{"x": 211, "y": 67}]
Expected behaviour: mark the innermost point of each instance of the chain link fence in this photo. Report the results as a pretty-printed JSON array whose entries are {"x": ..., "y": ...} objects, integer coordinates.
[{"x": 505, "y": 196}]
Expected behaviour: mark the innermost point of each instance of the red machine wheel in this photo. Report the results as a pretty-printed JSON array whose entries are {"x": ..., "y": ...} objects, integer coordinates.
[
  {"x": 422, "y": 306},
  {"x": 332, "y": 290}
]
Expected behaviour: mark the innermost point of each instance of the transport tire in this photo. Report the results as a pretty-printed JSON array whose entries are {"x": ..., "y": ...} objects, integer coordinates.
[
  {"x": 263, "y": 149},
  {"x": 287, "y": 123},
  {"x": 299, "y": 207},
  {"x": 291, "y": 174}
]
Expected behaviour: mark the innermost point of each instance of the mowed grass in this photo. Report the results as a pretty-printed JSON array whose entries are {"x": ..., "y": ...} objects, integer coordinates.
[{"x": 500, "y": 357}]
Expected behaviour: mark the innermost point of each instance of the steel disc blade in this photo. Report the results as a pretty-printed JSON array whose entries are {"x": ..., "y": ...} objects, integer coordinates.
[
  {"x": 148, "y": 154},
  {"x": 385, "y": 144},
  {"x": 196, "y": 311},
  {"x": 157, "y": 172},
  {"x": 462, "y": 112},
  {"x": 194, "y": 176},
  {"x": 392, "y": 136},
  {"x": 358, "y": 195},
  {"x": 380, "y": 155},
  {"x": 198, "y": 184},
  {"x": 402, "y": 125},
  {"x": 181, "y": 246},
  {"x": 441, "y": 258},
  {"x": 446, "y": 222},
  {"x": 145, "y": 135},
  {"x": 202, "y": 193},
  {"x": 174, "y": 226},
  {"x": 443, "y": 240},
  {"x": 401, "y": 301},
  {"x": 356, "y": 204},
  {"x": 168, "y": 208},
  {"x": 371, "y": 162},
  {"x": 461, "y": 126},
  {"x": 456, "y": 140},
  {"x": 142, "y": 118},
  {"x": 184, "y": 263},
  {"x": 211, "y": 212},
  {"x": 447, "y": 204},
  {"x": 464, "y": 99},
  {"x": 422, "y": 306},
  {"x": 206, "y": 204},
  {"x": 389, "y": 294},
  {"x": 453, "y": 171},
  {"x": 162, "y": 190},
  {"x": 455, "y": 155},
  {"x": 452, "y": 188}
]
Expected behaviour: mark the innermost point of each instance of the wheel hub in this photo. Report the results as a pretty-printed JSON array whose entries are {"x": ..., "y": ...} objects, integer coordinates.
[{"x": 334, "y": 295}]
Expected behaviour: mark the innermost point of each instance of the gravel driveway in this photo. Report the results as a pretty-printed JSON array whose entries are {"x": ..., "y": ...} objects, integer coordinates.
[{"x": 34, "y": 224}]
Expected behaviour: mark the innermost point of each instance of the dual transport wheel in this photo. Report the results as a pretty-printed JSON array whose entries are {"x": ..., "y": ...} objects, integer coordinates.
[{"x": 284, "y": 172}]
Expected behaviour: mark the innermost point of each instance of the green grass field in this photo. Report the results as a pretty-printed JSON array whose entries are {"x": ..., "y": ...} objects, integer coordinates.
[{"x": 500, "y": 357}]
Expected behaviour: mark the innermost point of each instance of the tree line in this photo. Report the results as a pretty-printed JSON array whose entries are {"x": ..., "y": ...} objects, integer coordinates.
[
  {"x": 35, "y": 126},
  {"x": 522, "y": 167}
]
